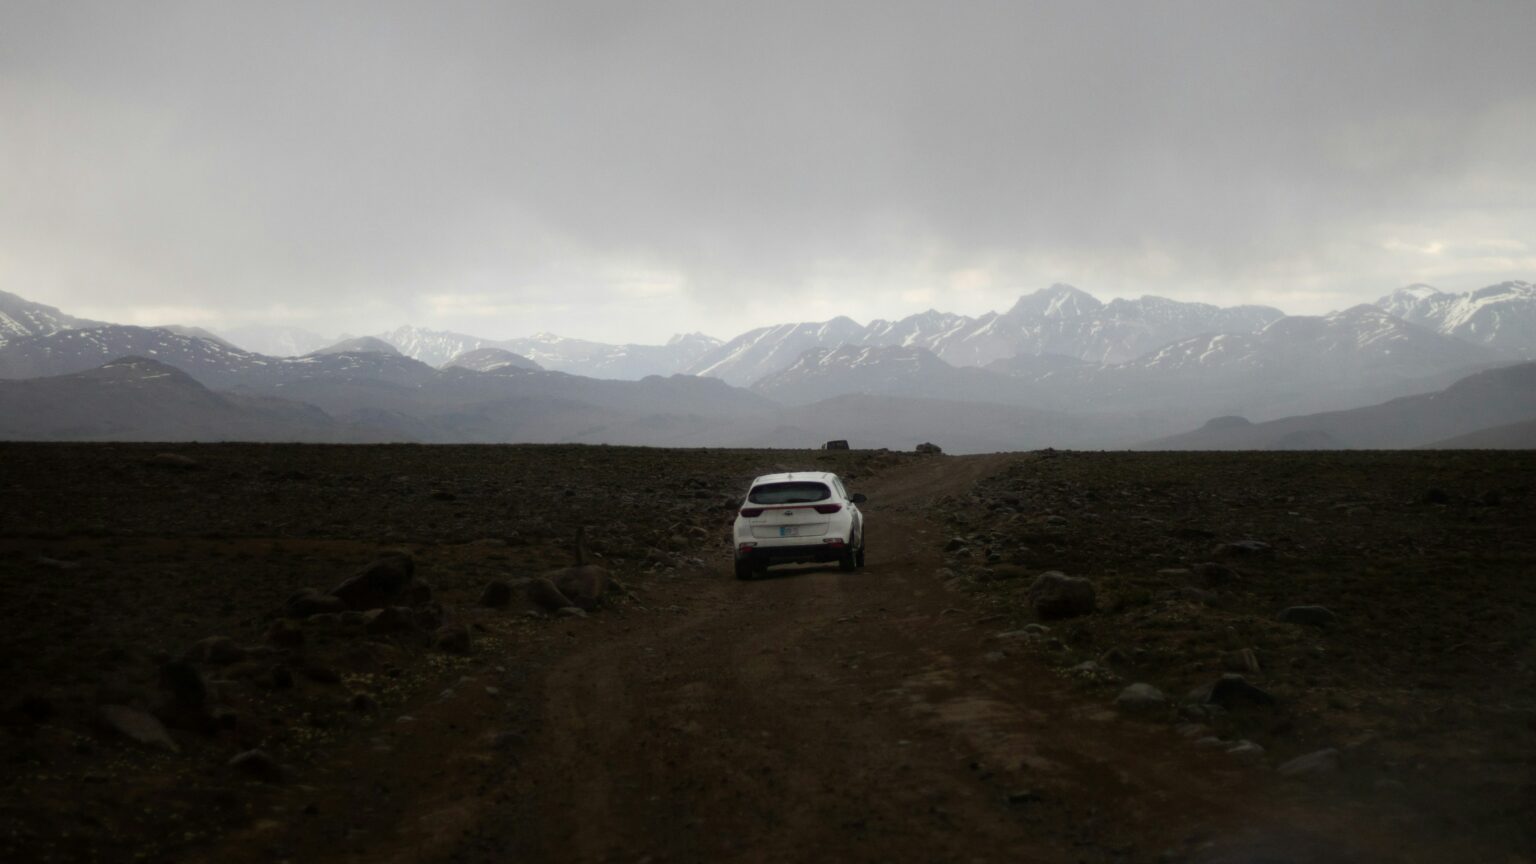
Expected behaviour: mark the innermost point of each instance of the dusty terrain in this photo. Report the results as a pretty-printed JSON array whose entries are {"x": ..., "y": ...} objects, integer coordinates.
[{"x": 917, "y": 710}]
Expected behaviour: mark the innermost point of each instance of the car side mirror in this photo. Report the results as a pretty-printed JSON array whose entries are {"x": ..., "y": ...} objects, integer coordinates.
[{"x": 858, "y": 498}]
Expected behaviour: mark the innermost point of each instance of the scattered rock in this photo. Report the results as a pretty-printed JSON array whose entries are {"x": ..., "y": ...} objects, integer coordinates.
[
  {"x": 571, "y": 612},
  {"x": 418, "y": 593},
  {"x": 1244, "y": 549},
  {"x": 174, "y": 462},
  {"x": 311, "y": 602},
  {"x": 258, "y": 765},
  {"x": 428, "y": 617},
  {"x": 320, "y": 674},
  {"x": 544, "y": 593},
  {"x": 378, "y": 584},
  {"x": 1057, "y": 595},
  {"x": 1002, "y": 573},
  {"x": 363, "y": 703},
  {"x": 1232, "y": 691},
  {"x": 217, "y": 650},
  {"x": 1212, "y": 575},
  {"x": 497, "y": 594},
  {"x": 1310, "y": 616},
  {"x": 1246, "y": 750},
  {"x": 390, "y": 619},
  {"x": 1142, "y": 700},
  {"x": 1435, "y": 496},
  {"x": 184, "y": 683},
  {"x": 285, "y": 633},
  {"x": 136, "y": 725},
  {"x": 584, "y": 585},
  {"x": 955, "y": 544},
  {"x": 1318, "y": 762},
  {"x": 454, "y": 638}
]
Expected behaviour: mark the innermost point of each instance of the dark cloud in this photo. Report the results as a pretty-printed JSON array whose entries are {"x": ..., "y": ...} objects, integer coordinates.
[{"x": 596, "y": 167}]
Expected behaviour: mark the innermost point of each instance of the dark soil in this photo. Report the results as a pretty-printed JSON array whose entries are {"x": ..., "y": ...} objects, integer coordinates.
[{"x": 898, "y": 713}]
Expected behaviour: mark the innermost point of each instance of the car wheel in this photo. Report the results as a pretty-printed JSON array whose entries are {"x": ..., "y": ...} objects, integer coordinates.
[
  {"x": 858, "y": 557},
  {"x": 848, "y": 560},
  {"x": 745, "y": 570}
]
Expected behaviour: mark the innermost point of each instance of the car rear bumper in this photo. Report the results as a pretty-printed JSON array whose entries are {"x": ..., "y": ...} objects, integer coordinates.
[{"x": 804, "y": 553}]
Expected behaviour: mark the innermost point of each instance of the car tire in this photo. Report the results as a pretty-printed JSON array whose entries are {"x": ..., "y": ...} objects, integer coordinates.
[
  {"x": 858, "y": 557},
  {"x": 745, "y": 570},
  {"x": 848, "y": 560}
]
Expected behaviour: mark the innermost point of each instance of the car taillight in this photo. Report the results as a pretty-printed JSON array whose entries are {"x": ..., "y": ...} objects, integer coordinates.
[
  {"x": 751, "y": 512},
  {"x": 828, "y": 508}
]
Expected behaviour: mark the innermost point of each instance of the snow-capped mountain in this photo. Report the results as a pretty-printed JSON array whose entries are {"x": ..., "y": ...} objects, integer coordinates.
[
  {"x": 67, "y": 351},
  {"x": 276, "y": 340},
  {"x": 491, "y": 360},
  {"x": 1056, "y": 320},
  {"x": 892, "y": 370},
  {"x": 20, "y": 317},
  {"x": 434, "y": 347},
  {"x": 1502, "y": 316},
  {"x": 766, "y": 350},
  {"x": 604, "y": 360}
]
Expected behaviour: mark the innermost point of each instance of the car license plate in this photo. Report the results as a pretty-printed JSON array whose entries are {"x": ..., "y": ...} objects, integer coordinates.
[{"x": 787, "y": 530}]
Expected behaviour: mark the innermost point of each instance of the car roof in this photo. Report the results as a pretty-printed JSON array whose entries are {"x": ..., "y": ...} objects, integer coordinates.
[{"x": 821, "y": 476}]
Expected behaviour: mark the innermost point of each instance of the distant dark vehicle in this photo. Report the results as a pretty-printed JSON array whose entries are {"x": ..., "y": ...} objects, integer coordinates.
[
  {"x": 839, "y": 444},
  {"x": 926, "y": 447}
]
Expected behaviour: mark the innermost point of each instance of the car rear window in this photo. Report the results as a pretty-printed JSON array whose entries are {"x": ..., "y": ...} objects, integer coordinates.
[{"x": 797, "y": 492}]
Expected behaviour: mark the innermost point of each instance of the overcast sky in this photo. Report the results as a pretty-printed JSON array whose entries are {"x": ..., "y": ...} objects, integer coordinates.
[{"x": 623, "y": 171}]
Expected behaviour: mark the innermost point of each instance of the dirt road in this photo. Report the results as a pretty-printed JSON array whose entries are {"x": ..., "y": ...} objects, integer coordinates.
[{"x": 814, "y": 715}]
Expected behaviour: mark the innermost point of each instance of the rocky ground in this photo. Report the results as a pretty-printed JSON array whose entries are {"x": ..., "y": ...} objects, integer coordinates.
[{"x": 267, "y": 653}]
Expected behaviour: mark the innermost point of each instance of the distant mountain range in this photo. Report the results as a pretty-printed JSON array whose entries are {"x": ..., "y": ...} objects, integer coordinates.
[
  {"x": 1494, "y": 409},
  {"x": 1058, "y": 368}
]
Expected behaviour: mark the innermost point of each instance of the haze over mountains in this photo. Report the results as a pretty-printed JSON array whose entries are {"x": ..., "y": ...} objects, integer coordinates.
[{"x": 1058, "y": 368}]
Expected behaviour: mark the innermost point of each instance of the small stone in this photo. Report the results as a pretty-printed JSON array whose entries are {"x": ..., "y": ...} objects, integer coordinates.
[
  {"x": 1246, "y": 750},
  {"x": 1141, "y": 700},
  {"x": 257, "y": 764},
  {"x": 1023, "y": 796},
  {"x": 1057, "y": 595},
  {"x": 285, "y": 633},
  {"x": 571, "y": 612},
  {"x": 1244, "y": 549},
  {"x": 1318, "y": 762},
  {"x": 544, "y": 593},
  {"x": 1232, "y": 691},
  {"x": 496, "y": 595},
  {"x": 310, "y": 602},
  {"x": 185, "y": 684},
  {"x": 363, "y": 703},
  {"x": 1212, "y": 575},
  {"x": 390, "y": 619},
  {"x": 377, "y": 584},
  {"x": 1310, "y": 616},
  {"x": 418, "y": 593},
  {"x": 217, "y": 650},
  {"x": 454, "y": 638},
  {"x": 136, "y": 725},
  {"x": 955, "y": 544}
]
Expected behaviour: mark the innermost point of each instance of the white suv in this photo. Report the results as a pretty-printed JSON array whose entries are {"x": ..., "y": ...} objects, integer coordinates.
[{"x": 799, "y": 517}]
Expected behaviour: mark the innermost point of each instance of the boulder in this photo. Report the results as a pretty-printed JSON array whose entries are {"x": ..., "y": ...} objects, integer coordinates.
[
  {"x": 1310, "y": 616},
  {"x": 496, "y": 595},
  {"x": 418, "y": 593},
  {"x": 1057, "y": 595},
  {"x": 377, "y": 585},
  {"x": 928, "y": 448},
  {"x": 285, "y": 633},
  {"x": 544, "y": 593},
  {"x": 136, "y": 725}
]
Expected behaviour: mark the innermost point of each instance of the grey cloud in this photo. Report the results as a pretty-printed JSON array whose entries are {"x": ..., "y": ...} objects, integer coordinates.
[{"x": 359, "y": 157}]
